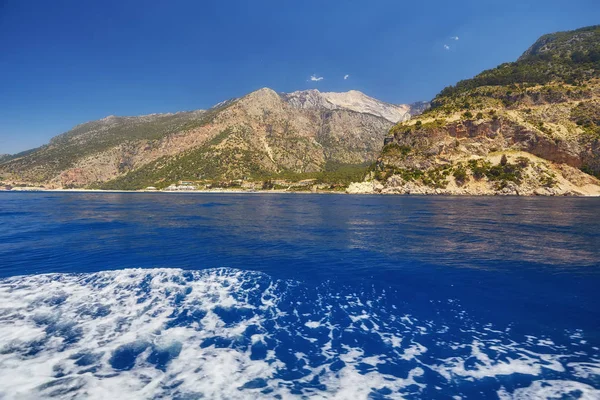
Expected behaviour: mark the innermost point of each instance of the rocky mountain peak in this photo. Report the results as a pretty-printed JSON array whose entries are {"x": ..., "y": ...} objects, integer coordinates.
[
  {"x": 310, "y": 99},
  {"x": 263, "y": 92},
  {"x": 259, "y": 100},
  {"x": 360, "y": 102},
  {"x": 353, "y": 100}
]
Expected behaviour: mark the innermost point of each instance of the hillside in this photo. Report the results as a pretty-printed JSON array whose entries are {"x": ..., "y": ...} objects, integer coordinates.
[
  {"x": 528, "y": 127},
  {"x": 256, "y": 137}
]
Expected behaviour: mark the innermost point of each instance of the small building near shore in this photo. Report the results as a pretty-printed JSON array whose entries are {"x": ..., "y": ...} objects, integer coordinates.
[{"x": 174, "y": 188}]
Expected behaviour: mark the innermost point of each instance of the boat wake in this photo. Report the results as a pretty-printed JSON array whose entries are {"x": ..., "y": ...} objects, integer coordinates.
[{"x": 229, "y": 334}]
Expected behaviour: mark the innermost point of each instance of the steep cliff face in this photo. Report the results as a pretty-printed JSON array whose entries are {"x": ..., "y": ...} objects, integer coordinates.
[
  {"x": 256, "y": 136},
  {"x": 504, "y": 132}
]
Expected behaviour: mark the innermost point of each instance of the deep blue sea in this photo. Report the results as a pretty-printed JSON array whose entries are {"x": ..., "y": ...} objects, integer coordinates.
[{"x": 210, "y": 296}]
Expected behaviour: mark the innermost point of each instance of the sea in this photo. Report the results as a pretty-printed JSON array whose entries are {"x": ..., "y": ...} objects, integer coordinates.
[{"x": 298, "y": 296}]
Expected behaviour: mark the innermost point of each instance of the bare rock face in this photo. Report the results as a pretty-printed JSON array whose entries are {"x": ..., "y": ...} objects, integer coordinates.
[
  {"x": 256, "y": 135},
  {"x": 359, "y": 102},
  {"x": 360, "y": 188},
  {"x": 352, "y": 100},
  {"x": 468, "y": 137},
  {"x": 308, "y": 99},
  {"x": 503, "y": 155}
]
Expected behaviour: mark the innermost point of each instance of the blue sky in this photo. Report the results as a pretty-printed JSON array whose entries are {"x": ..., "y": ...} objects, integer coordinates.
[{"x": 67, "y": 62}]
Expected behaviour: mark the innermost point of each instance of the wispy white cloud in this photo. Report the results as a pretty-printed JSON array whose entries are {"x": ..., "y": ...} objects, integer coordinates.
[
  {"x": 446, "y": 47},
  {"x": 454, "y": 37},
  {"x": 346, "y": 76},
  {"x": 315, "y": 78}
]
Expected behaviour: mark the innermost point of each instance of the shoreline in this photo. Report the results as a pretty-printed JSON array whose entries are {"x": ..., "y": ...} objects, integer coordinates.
[
  {"x": 233, "y": 191},
  {"x": 216, "y": 191}
]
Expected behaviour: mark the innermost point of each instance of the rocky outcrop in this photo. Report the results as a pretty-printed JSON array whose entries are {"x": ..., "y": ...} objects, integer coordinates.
[
  {"x": 426, "y": 156},
  {"x": 523, "y": 175},
  {"x": 469, "y": 137},
  {"x": 530, "y": 127},
  {"x": 368, "y": 187}
]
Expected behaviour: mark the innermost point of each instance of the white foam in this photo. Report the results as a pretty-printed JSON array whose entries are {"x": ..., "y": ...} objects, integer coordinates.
[
  {"x": 482, "y": 366},
  {"x": 129, "y": 321},
  {"x": 49, "y": 322},
  {"x": 585, "y": 369},
  {"x": 135, "y": 319},
  {"x": 413, "y": 351},
  {"x": 313, "y": 324},
  {"x": 552, "y": 389}
]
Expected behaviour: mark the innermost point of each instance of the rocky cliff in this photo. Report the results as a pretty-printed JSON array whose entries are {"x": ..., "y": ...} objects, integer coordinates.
[
  {"x": 529, "y": 127},
  {"x": 260, "y": 135}
]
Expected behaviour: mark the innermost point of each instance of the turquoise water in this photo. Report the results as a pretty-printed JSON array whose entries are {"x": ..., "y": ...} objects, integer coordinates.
[{"x": 298, "y": 296}]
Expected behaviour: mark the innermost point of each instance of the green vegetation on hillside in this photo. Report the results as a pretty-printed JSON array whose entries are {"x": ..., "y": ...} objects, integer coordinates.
[
  {"x": 436, "y": 177},
  {"x": 570, "y": 57},
  {"x": 195, "y": 164},
  {"x": 93, "y": 137},
  {"x": 396, "y": 150},
  {"x": 206, "y": 164},
  {"x": 406, "y": 129},
  {"x": 546, "y": 102},
  {"x": 332, "y": 173},
  {"x": 587, "y": 116},
  {"x": 226, "y": 157},
  {"x": 502, "y": 173}
]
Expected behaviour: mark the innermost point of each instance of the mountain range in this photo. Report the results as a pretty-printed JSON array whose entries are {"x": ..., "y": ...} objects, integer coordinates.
[
  {"x": 258, "y": 136},
  {"x": 526, "y": 127}
]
